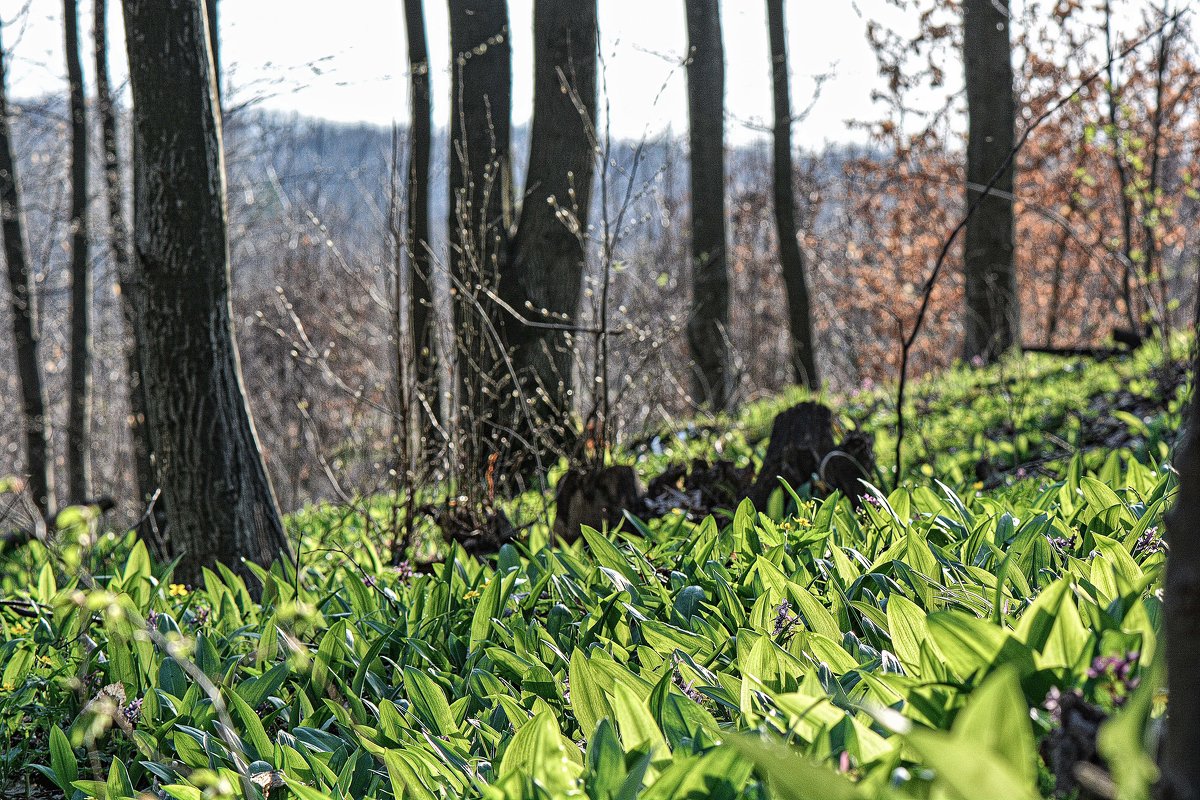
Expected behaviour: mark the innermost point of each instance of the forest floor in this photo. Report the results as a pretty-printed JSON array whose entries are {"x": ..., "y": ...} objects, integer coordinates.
[{"x": 968, "y": 633}]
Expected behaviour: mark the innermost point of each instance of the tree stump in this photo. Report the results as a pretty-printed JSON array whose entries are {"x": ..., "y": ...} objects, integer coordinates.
[
  {"x": 596, "y": 499},
  {"x": 801, "y": 437}
]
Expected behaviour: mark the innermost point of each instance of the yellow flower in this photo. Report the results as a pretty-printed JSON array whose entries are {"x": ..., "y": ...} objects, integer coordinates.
[
  {"x": 46, "y": 661},
  {"x": 7, "y": 687},
  {"x": 471, "y": 595},
  {"x": 177, "y": 590},
  {"x": 977, "y": 485},
  {"x": 18, "y": 629}
]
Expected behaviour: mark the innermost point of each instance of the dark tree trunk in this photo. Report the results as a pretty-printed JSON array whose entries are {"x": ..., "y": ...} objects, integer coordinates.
[
  {"x": 1181, "y": 610},
  {"x": 118, "y": 236},
  {"x": 708, "y": 319},
  {"x": 79, "y": 411},
  {"x": 993, "y": 315},
  {"x": 220, "y": 502},
  {"x": 480, "y": 219},
  {"x": 420, "y": 264},
  {"x": 791, "y": 259},
  {"x": 38, "y": 461},
  {"x": 545, "y": 272}
]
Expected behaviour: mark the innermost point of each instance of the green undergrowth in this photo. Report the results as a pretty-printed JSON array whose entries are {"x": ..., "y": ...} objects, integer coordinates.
[
  {"x": 918, "y": 647},
  {"x": 1024, "y": 412}
]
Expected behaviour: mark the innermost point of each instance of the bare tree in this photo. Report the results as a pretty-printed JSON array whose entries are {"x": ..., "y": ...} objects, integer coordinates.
[
  {"x": 118, "y": 238},
  {"x": 993, "y": 313},
  {"x": 791, "y": 259},
  {"x": 709, "y": 315},
  {"x": 480, "y": 218},
  {"x": 420, "y": 263},
  {"x": 220, "y": 502},
  {"x": 79, "y": 413},
  {"x": 38, "y": 462},
  {"x": 544, "y": 275}
]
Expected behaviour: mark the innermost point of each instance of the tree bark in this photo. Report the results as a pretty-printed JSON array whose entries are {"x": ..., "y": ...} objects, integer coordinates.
[
  {"x": 992, "y": 314},
  {"x": 709, "y": 317},
  {"x": 545, "y": 271},
  {"x": 39, "y": 463},
  {"x": 1181, "y": 611},
  {"x": 791, "y": 259},
  {"x": 480, "y": 220},
  {"x": 220, "y": 501},
  {"x": 118, "y": 237},
  {"x": 79, "y": 411},
  {"x": 420, "y": 264}
]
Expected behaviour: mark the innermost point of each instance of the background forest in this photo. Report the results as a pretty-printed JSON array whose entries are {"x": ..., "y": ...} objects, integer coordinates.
[
  {"x": 480, "y": 456},
  {"x": 313, "y": 207}
]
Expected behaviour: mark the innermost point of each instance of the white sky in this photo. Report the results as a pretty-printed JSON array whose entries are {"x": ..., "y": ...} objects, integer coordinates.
[{"x": 356, "y": 49}]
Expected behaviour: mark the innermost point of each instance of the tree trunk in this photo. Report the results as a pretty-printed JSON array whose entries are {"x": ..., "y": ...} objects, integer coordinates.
[
  {"x": 118, "y": 236},
  {"x": 709, "y": 317},
  {"x": 220, "y": 501},
  {"x": 480, "y": 219},
  {"x": 1181, "y": 610},
  {"x": 545, "y": 272},
  {"x": 79, "y": 412},
  {"x": 993, "y": 313},
  {"x": 420, "y": 263},
  {"x": 39, "y": 463},
  {"x": 791, "y": 259}
]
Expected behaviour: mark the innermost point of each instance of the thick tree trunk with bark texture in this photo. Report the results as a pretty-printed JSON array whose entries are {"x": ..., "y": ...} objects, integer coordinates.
[
  {"x": 220, "y": 501},
  {"x": 709, "y": 315},
  {"x": 79, "y": 411},
  {"x": 118, "y": 236},
  {"x": 39, "y": 463},
  {"x": 992, "y": 315},
  {"x": 480, "y": 219},
  {"x": 791, "y": 259},
  {"x": 544, "y": 274},
  {"x": 1181, "y": 610},
  {"x": 420, "y": 263}
]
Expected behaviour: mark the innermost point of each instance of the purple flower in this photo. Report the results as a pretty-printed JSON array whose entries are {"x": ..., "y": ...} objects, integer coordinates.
[
  {"x": 133, "y": 711},
  {"x": 1150, "y": 542},
  {"x": 369, "y": 581},
  {"x": 1062, "y": 545},
  {"x": 784, "y": 619},
  {"x": 1115, "y": 673},
  {"x": 404, "y": 570}
]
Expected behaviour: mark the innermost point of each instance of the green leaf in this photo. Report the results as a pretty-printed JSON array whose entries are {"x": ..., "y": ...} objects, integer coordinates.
[
  {"x": 429, "y": 702},
  {"x": 791, "y": 775},
  {"x": 906, "y": 623},
  {"x": 587, "y": 696},
  {"x": 537, "y": 753},
  {"x": 996, "y": 719},
  {"x": 967, "y": 771},
  {"x": 62, "y": 760},
  {"x": 487, "y": 609},
  {"x": 406, "y": 781},
  {"x": 252, "y": 729}
]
